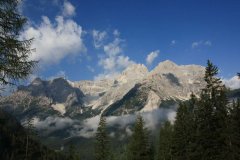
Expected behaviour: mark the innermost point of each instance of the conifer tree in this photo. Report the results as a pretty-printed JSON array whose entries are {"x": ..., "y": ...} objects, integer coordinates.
[
  {"x": 138, "y": 148},
  {"x": 14, "y": 53},
  {"x": 102, "y": 141},
  {"x": 30, "y": 133},
  {"x": 165, "y": 142},
  {"x": 211, "y": 118},
  {"x": 234, "y": 132},
  {"x": 183, "y": 133},
  {"x": 72, "y": 154}
]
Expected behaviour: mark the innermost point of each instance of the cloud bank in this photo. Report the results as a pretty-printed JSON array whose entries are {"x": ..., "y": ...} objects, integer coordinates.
[
  {"x": 232, "y": 83},
  {"x": 88, "y": 127}
]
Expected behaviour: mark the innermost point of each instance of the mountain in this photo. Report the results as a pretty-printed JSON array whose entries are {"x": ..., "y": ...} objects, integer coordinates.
[
  {"x": 167, "y": 81},
  {"x": 134, "y": 90},
  {"x": 136, "y": 83},
  {"x": 65, "y": 112}
]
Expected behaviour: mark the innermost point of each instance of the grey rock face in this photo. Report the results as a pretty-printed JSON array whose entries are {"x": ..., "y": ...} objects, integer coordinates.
[{"x": 134, "y": 90}]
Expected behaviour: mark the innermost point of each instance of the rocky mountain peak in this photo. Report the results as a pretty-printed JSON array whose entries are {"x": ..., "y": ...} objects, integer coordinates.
[
  {"x": 165, "y": 66},
  {"x": 167, "y": 63},
  {"x": 135, "y": 68},
  {"x": 135, "y": 89},
  {"x": 134, "y": 72}
]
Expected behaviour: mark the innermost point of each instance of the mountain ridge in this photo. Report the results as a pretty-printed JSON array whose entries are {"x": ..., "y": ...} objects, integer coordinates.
[{"x": 166, "y": 81}]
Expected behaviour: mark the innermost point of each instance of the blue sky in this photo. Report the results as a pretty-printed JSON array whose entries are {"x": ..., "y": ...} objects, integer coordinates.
[{"x": 89, "y": 39}]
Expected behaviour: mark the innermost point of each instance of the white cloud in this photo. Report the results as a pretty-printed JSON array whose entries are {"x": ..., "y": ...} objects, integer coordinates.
[
  {"x": 68, "y": 9},
  {"x": 116, "y": 33},
  {"x": 114, "y": 61},
  {"x": 98, "y": 38},
  {"x": 173, "y": 42},
  {"x": 108, "y": 63},
  {"x": 51, "y": 124},
  {"x": 124, "y": 61},
  {"x": 113, "y": 65},
  {"x": 55, "y": 40},
  {"x": 152, "y": 56},
  {"x": 152, "y": 120},
  {"x": 88, "y": 127},
  {"x": 232, "y": 83},
  {"x": 113, "y": 48},
  {"x": 201, "y": 43}
]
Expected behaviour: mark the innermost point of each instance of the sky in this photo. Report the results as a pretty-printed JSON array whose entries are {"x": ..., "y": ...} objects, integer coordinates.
[{"x": 94, "y": 39}]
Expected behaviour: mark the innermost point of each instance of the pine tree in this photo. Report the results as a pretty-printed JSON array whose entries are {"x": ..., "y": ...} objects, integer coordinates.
[
  {"x": 102, "y": 141},
  {"x": 234, "y": 132},
  {"x": 30, "y": 133},
  {"x": 183, "y": 133},
  {"x": 72, "y": 154},
  {"x": 165, "y": 142},
  {"x": 14, "y": 53},
  {"x": 138, "y": 148},
  {"x": 211, "y": 118}
]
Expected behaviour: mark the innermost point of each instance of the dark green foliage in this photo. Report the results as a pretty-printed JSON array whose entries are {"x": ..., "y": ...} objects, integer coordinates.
[
  {"x": 211, "y": 118},
  {"x": 234, "y": 132},
  {"x": 102, "y": 141},
  {"x": 183, "y": 133},
  {"x": 14, "y": 139},
  {"x": 138, "y": 148},
  {"x": 165, "y": 142},
  {"x": 201, "y": 130},
  {"x": 72, "y": 154},
  {"x": 169, "y": 102},
  {"x": 14, "y": 53}
]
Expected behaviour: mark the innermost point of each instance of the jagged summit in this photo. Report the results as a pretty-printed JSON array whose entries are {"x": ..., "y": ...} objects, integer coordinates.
[
  {"x": 181, "y": 70},
  {"x": 136, "y": 68},
  {"x": 135, "y": 89},
  {"x": 134, "y": 72},
  {"x": 167, "y": 63}
]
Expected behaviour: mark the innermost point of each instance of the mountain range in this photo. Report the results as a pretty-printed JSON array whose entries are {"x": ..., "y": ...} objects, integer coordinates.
[
  {"x": 63, "y": 111},
  {"x": 134, "y": 90}
]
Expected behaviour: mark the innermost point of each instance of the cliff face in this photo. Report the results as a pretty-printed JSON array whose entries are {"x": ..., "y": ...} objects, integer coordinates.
[{"x": 134, "y": 90}]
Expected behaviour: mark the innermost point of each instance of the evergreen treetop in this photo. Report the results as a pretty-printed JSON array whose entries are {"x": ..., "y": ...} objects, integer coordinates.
[{"x": 15, "y": 53}]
